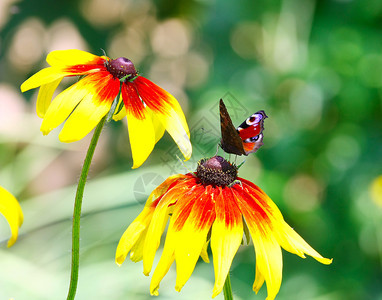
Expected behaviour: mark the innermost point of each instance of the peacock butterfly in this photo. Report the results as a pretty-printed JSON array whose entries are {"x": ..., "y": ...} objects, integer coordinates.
[{"x": 245, "y": 139}]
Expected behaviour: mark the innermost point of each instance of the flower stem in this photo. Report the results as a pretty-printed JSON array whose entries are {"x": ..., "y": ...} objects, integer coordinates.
[
  {"x": 227, "y": 289},
  {"x": 77, "y": 212}
]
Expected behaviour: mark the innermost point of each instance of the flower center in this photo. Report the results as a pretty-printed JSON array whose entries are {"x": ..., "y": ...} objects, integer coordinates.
[
  {"x": 121, "y": 68},
  {"x": 216, "y": 171}
]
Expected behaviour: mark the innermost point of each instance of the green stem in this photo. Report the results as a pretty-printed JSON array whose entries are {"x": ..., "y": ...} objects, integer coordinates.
[
  {"x": 227, "y": 289},
  {"x": 77, "y": 212}
]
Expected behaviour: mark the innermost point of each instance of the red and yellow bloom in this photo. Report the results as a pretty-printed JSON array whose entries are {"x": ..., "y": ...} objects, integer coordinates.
[
  {"x": 149, "y": 109},
  {"x": 215, "y": 201},
  {"x": 11, "y": 210}
]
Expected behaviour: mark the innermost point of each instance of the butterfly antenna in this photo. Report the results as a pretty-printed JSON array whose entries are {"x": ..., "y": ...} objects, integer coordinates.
[
  {"x": 217, "y": 149},
  {"x": 104, "y": 52},
  {"x": 184, "y": 165}
]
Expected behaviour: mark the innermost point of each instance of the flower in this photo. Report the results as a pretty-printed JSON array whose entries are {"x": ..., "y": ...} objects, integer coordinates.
[
  {"x": 211, "y": 204},
  {"x": 149, "y": 109},
  {"x": 11, "y": 210},
  {"x": 376, "y": 190}
]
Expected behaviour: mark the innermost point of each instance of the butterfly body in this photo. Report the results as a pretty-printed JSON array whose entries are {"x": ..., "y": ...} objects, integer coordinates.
[{"x": 246, "y": 138}]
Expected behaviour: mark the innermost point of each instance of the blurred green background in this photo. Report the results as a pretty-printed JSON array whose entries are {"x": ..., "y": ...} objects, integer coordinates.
[{"x": 315, "y": 67}]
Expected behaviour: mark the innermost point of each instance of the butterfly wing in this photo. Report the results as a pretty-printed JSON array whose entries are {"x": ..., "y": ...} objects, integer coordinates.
[
  {"x": 247, "y": 138},
  {"x": 231, "y": 141},
  {"x": 251, "y": 132}
]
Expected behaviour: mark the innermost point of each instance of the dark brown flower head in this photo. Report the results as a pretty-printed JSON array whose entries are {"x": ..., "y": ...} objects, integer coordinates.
[
  {"x": 216, "y": 171},
  {"x": 121, "y": 67}
]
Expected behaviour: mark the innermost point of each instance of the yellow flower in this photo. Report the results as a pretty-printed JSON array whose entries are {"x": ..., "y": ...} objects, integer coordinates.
[
  {"x": 149, "y": 109},
  {"x": 376, "y": 190},
  {"x": 212, "y": 204},
  {"x": 217, "y": 206},
  {"x": 11, "y": 210}
]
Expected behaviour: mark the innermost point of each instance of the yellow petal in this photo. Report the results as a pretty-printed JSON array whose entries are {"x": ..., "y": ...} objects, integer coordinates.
[
  {"x": 162, "y": 188},
  {"x": 294, "y": 243},
  {"x": 11, "y": 210},
  {"x": 191, "y": 237},
  {"x": 285, "y": 235},
  {"x": 375, "y": 190},
  {"x": 156, "y": 228},
  {"x": 136, "y": 233},
  {"x": 137, "y": 249},
  {"x": 143, "y": 134},
  {"x": 159, "y": 100},
  {"x": 224, "y": 244},
  {"x": 164, "y": 264},
  {"x": 142, "y": 137},
  {"x": 224, "y": 247},
  {"x": 176, "y": 241},
  {"x": 45, "y": 95},
  {"x": 269, "y": 262},
  {"x": 44, "y": 76},
  {"x": 168, "y": 111},
  {"x": 71, "y": 57},
  {"x": 158, "y": 127},
  {"x": 136, "y": 252},
  {"x": 246, "y": 234},
  {"x": 259, "y": 280},
  {"x": 83, "y": 119},
  {"x": 226, "y": 237},
  {"x": 268, "y": 251},
  {"x": 179, "y": 112},
  {"x": 166, "y": 260},
  {"x": 119, "y": 115},
  {"x": 189, "y": 245},
  {"x": 173, "y": 122},
  {"x": 204, "y": 253},
  {"x": 269, "y": 231},
  {"x": 132, "y": 234},
  {"x": 63, "y": 105}
]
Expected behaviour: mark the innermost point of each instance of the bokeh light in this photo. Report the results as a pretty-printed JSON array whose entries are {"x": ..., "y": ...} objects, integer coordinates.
[{"x": 27, "y": 45}]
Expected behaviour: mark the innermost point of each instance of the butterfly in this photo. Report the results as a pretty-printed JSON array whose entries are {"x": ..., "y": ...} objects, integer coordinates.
[{"x": 245, "y": 139}]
